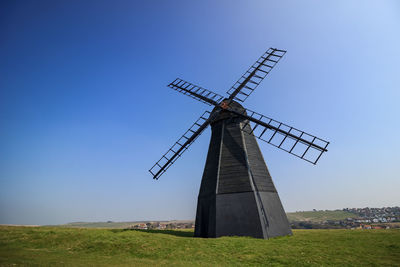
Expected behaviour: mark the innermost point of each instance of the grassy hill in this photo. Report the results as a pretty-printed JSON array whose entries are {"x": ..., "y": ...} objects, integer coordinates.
[
  {"x": 105, "y": 247},
  {"x": 319, "y": 216}
]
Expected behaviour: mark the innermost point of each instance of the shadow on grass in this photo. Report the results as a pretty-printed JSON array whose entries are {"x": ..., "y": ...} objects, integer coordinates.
[{"x": 165, "y": 232}]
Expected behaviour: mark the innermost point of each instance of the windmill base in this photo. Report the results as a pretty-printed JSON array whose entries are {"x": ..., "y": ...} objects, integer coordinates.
[{"x": 239, "y": 214}]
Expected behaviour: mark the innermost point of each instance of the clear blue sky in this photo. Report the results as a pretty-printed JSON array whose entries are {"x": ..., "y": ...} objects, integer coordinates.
[{"x": 85, "y": 111}]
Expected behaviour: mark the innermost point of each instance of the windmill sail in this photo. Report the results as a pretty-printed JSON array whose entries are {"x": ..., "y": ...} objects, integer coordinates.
[
  {"x": 255, "y": 74},
  {"x": 299, "y": 143},
  {"x": 294, "y": 141},
  {"x": 203, "y": 95},
  {"x": 180, "y": 146}
]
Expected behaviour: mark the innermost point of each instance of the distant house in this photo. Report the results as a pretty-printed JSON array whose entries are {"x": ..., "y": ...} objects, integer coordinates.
[
  {"x": 162, "y": 226},
  {"x": 141, "y": 226}
]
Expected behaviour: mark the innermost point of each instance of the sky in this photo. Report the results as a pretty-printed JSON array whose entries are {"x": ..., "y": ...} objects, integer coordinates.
[{"x": 85, "y": 111}]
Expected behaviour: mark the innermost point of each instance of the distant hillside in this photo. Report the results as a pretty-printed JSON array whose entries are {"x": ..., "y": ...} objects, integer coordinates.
[
  {"x": 300, "y": 216},
  {"x": 319, "y": 216},
  {"x": 116, "y": 225}
]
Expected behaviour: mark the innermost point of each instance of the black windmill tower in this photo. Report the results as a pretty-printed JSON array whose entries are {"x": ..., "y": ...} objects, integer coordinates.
[{"x": 237, "y": 195}]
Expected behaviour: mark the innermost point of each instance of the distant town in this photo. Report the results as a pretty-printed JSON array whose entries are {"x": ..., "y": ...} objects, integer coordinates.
[
  {"x": 359, "y": 218},
  {"x": 163, "y": 225}
]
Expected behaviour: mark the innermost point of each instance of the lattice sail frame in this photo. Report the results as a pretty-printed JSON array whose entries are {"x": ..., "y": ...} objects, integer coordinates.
[
  {"x": 170, "y": 154},
  {"x": 294, "y": 141},
  {"x": 286, "y": 137},
  {"x": 257, "y": 72},
  {"x": 192, "y": 90}
]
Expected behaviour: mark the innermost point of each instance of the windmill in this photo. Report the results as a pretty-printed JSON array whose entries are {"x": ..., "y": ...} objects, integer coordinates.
[{"x": 237, "y": 195}]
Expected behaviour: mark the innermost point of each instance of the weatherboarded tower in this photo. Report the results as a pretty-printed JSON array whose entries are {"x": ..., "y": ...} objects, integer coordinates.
[{"x": 237, "y": 196}]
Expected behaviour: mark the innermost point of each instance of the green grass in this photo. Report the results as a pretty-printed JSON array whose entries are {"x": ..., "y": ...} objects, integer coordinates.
[
  {"x": 319, "y": 216},
  {"x": 101, "y": 247}
]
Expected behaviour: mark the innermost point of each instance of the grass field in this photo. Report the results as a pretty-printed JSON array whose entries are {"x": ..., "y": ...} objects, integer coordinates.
[{"x": 101, "y": 247}]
